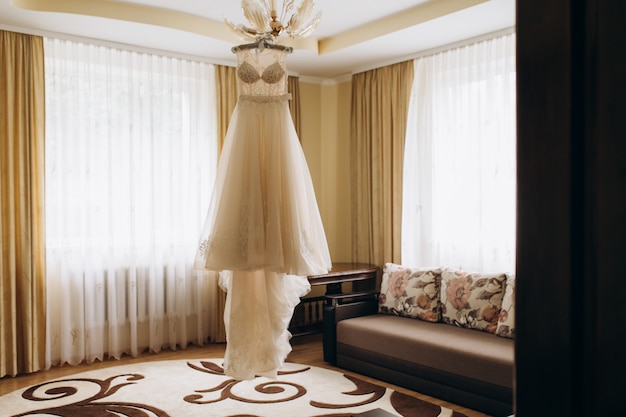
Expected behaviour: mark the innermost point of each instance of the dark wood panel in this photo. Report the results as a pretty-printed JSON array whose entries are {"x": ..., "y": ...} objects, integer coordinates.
[
  {"x": 543, "y": 339},
  {"x": 571, "y": 208}
]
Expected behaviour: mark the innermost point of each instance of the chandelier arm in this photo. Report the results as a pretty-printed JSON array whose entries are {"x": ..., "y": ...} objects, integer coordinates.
[{"x": 287, "y": 9}]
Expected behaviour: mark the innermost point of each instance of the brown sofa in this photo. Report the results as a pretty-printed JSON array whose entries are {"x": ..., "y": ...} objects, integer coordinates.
[{"x": 447, "y": 334}]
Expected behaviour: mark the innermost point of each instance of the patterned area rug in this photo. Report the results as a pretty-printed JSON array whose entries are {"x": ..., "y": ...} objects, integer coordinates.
[{"x": 199, "y": 388}]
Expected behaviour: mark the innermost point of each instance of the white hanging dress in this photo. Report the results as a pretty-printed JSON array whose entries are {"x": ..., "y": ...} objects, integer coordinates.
[{"x": 263, "y": 228}]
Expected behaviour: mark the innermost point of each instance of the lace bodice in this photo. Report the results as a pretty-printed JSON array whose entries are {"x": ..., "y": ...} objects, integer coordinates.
[{"x": 262, "y": 73}]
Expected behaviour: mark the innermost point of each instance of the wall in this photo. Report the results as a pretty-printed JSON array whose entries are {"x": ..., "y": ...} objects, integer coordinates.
[{"x": 325, "y": 137}]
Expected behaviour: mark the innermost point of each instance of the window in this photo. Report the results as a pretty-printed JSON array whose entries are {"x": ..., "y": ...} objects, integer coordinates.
[
  {"x": 131, "y": 154},
  {"x": 460, "y": 168}
]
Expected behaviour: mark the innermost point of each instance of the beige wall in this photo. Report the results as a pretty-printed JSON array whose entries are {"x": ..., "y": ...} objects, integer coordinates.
[{"x": 325, "y": 118}]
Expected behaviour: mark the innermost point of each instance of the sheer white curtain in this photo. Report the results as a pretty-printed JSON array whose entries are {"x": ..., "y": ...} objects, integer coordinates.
[
  {"x": 131, "y": 153},
  {"x": 460, "y": 161}
]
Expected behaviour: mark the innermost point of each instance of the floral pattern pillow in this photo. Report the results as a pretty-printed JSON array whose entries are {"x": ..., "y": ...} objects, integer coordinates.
[
  {"x": 472, "y": 300},
  {"x": 410, "y": 292},
  {"x": 506, "y": 322}
]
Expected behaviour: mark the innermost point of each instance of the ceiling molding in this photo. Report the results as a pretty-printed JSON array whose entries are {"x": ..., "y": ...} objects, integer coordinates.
[
  {"x": 150, "y": 15},
  {"x": 132, "y": 12},
  {"x": 363, "y": 34},
  {"x": 395, "y": 22},
  {"x": 439, "y": 49}
]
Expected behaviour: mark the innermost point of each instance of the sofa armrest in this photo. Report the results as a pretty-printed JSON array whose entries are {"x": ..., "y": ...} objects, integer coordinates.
[{"x": 342, "y": 307}]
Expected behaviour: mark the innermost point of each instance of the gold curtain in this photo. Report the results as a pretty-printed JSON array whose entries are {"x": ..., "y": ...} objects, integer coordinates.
[
  {"x": 226, "y": 87},
  {"x": 22, "y": 247},
  {"x": 380, "y": 102},
  {"x": 293, "y": 87},
  {"x": 227, "y": 93}
]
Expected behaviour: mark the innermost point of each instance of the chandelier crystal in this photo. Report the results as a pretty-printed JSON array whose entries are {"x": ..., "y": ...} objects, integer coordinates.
[{"x": 264, "y": 21}]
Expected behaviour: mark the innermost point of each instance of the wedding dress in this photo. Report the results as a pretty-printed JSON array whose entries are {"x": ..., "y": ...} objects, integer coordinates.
[{"x": 263, "y": 229}]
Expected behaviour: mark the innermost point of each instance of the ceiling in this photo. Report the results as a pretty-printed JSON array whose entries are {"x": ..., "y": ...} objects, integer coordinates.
[{"x": 353, "y": 35}]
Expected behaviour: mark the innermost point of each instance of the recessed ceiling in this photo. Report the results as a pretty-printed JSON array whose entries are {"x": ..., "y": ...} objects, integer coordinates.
[{"x": 353, "y": 35}]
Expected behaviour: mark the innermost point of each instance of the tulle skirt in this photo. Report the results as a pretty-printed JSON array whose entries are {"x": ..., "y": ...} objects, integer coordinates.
[
  {"x": 259, "y": 307},
  {"x": 264, "y": 231},
  {"x": 263, "y": 213}
]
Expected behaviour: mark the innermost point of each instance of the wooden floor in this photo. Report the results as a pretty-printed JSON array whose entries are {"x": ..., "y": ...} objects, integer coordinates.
[{"x": 306, "y": 350}]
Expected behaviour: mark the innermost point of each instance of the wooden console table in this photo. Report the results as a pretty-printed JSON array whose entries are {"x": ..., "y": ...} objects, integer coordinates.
[
  {"x": 308, "y": 315},
  {"x": 362, "y": 276},
  {"x": 363, "y": 296}
]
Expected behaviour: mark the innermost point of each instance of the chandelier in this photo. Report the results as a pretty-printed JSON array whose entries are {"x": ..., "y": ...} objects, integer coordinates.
[{"x": 265, "y": 22}]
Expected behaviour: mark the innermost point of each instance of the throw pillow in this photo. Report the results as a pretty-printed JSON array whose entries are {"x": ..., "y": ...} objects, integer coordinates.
[
  {"x": 472, "y": 300},
  {"x": 506, "y": 322},
  {"x": 410, "y": 292}
]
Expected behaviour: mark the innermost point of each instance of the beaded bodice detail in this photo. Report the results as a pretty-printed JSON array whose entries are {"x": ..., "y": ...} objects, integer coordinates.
[{"x": 262, "y": 73}]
